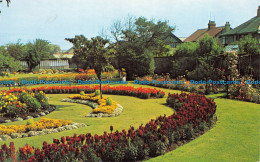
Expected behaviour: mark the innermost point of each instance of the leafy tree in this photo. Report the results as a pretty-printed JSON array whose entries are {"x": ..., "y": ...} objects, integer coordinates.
[
  {"x": 43, "y": 47},
  {"x": 184, "y": 58},
  {"x": 39, "y": 49},
  {"x": 206, "y": 55},
  {"x": 54, "y": 49},
  {"x": 80, "y": 48},
  {"x": 18, "y": 50},
  {"x": 95, "y": 52},
  {"x": 135, "y": 39},
  {"x": 7, "y": 62},
  {"x": 33, "y": 57},
  {"x": 251, "y": 47}
]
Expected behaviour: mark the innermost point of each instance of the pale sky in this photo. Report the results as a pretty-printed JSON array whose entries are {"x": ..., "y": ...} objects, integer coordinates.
[{"x": 55, "y": 20}]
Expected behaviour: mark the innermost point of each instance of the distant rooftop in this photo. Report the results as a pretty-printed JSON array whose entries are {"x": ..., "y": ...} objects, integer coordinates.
[{"x": 212, "y": 31}]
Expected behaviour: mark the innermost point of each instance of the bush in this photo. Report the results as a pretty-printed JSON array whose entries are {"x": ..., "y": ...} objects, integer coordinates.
[
  {"x": 82, "y": 93},
  {"x": 109, "y": 101},
  {"x": 30, "y": 121},
  {"x": 42, "y": 98},
  {"x": 12, "y": 110},
  {"x": 97, "y": 92}
]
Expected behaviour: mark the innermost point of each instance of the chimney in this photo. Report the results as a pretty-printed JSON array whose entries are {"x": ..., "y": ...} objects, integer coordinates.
[
  {"x": 227, "y": 27},
  {"x": 258, "y": 11},
  {"x": 211, "y": 25}
]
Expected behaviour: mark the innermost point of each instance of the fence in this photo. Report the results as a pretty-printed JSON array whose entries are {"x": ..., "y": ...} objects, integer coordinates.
[{"x": 51, "y": 64}]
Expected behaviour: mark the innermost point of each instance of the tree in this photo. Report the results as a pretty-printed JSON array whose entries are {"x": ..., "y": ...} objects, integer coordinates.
[
  {"x": 206, "y": 55},
  {"x": 54, "y": 49},
  {"x": 251, "y": 47},
  {"x": 18, "y": 50},
  {"x": 137, "y": 39},
  {"x": 7, "y": 62},
  {"x": 39, "y": 49},
  {"x": 184, "y": 58},
  {"x": 33, "y": 57},
  {"x": 80, "y": 48},
  {"x": 95, "y": 52}
]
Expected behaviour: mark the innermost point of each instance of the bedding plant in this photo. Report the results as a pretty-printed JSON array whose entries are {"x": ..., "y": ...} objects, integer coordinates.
[{"x": 13, "y": 104}]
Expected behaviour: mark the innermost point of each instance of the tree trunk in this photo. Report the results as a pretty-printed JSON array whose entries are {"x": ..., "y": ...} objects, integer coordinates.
[{"x": 100, "y": 86}]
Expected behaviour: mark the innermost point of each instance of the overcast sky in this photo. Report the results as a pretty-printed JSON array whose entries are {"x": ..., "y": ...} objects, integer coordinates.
[{"x": 55, "y": 20}]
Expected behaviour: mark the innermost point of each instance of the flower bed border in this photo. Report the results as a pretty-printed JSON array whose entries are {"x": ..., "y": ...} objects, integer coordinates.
[
  {"x": 139, "y": 92},
  {"x": 94, "y": 105},
  {"x": 46, "y": 112},
  {"x": 43, "y": 132}
]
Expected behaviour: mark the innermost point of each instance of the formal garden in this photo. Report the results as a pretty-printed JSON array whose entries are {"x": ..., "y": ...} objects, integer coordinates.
[{"x": 115, "y": 107}]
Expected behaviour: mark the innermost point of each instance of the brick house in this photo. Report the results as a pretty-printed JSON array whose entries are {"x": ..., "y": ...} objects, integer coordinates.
[
  {"x": 212, "y": 31},
  {"x": 249, "y": 28}
]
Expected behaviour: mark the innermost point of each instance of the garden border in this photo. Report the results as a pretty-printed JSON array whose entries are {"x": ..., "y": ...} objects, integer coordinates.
[
  {"x": 46, "y": 112},
  {"x": 42, "y": 132},
  {"x": 94, "y": 105}
]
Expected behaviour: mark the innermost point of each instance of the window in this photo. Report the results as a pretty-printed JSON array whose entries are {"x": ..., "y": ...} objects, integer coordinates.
[{"x": 224, "y": 40}]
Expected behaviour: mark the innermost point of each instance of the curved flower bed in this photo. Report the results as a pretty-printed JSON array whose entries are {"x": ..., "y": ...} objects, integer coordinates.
[
  {"x": 41, "y": 127},
  {"x": 117, "y": 111},
  {"x": 104, "y": 107},
  {"x": 194, "y": 114},
  {"x": 21, "y": 105},
  {"x": 117, "y": 90},
  {"x": 30, "y": 115}
]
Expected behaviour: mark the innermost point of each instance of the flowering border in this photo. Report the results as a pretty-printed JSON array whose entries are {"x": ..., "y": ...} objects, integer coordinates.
[
  {"x": 46, "y": 112},
  {"x": 94, "y": 105},
  {"x": 43, "y": 132},
  {"x": 140, "y": 92}
]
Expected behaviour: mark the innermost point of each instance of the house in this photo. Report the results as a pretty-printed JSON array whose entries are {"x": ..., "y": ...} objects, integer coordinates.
[
  {"x": 172, "y": 40},
  {"x": 212, "y": 31},
  {"x": 249, "y": 28}
]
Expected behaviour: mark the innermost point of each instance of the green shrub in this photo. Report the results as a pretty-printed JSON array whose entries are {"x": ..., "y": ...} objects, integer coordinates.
[
  {"x": 82, "y": 93},
  {"x": 42, "y": 99},
  {"x": 32, "y": 103},
  {"x": 97, "y": 92},
  {"x": 109, "y": 101},
  {"x": 30, "y": 122},
  {"x": 12, "y": 110}
]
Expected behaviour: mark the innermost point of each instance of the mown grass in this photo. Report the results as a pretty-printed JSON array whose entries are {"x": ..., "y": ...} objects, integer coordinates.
[{"x": 235, "y": 136}]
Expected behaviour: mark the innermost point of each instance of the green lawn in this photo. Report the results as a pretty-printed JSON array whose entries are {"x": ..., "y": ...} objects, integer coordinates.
[{"x": 235, "y": 137}]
